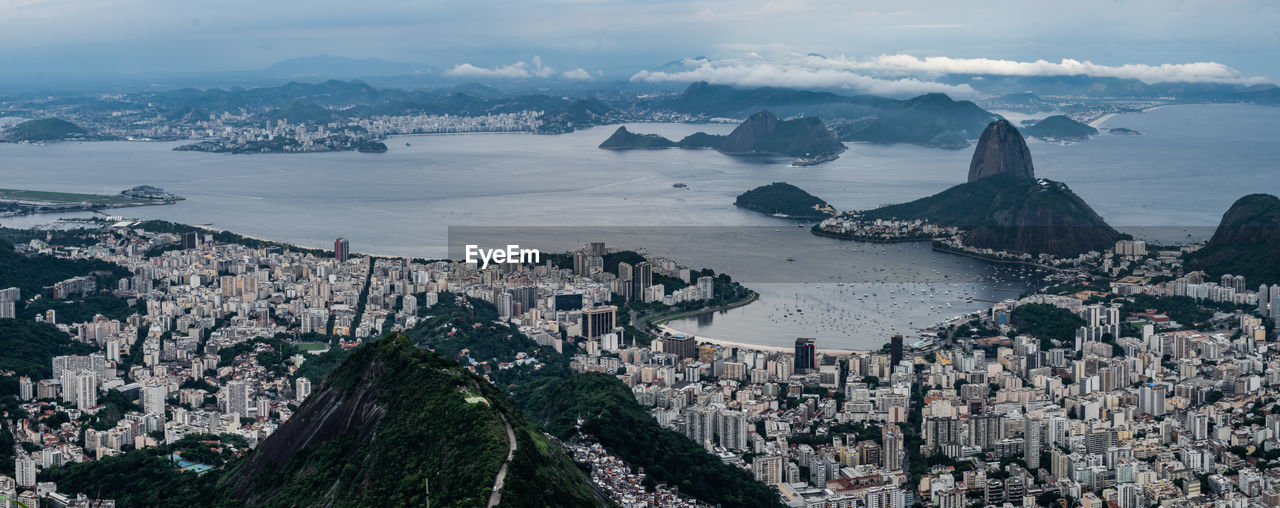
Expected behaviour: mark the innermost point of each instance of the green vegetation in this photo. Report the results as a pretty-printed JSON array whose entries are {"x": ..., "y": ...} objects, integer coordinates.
[
  {"x": 45, "y": 129},
  {"x": 622, "y": 139},
  {"x": 1046, "y": 322},
  {"x": 1006, "y": 212},
  {"x": 624, "y": 428},
  {"x": 81, "y": 310},
  {"x": 304, "y": 113},
  {"x": 413, "y": 401},
  {"x": 783, "y": 198},
  {"x": 1183, "y": 309},
  {"x": 763, "y": 133},
  {"x": 29, "y": 347},
  {"x": 159, "y": 226},
  {"x": 137, "y": 478},
  {"x": 1247, "y": 242},
  {"x": 701, "y": 140},
  {"x": 32, "y": 274},
  {"x": 1059, "y": 127}
]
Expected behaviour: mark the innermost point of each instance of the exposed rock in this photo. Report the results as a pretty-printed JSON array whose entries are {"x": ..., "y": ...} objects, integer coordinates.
[{"x": 1001, "y": 151}]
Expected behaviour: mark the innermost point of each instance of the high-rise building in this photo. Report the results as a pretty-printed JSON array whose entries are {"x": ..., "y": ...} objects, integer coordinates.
[
  {"x": 733, "y": 430},
  {"x": 768, "y": 470},
  {"x": 598, "y": 321},
  {"x": 707, "y": 287},
  {"x": 8, "y": 302},
  {"x": 1151, "y": 398},
  {"x": 680, "y": 345},
  {"x": 895, "y": 350},
  {"x": 238, "y": 398},
  {"x": 341, "y": 249},
  {"x": 641, "y": 279},
  {"x": 25, "y": 471},
  {"x": 26, "y": 388},
  {"x": 893, "y": 441},
  {"x": 1031, "y": 444},
  {"x": 154, "y": 393},
  {"x": 189, "y": 240},
  {"x": 806, "y": 355},
  {"x": 302, "y": 388}
]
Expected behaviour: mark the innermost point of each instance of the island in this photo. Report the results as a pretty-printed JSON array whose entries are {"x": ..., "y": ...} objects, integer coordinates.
[
  {"x": 622, "y": 139},
  {"x": 1060, "y": 127},
  {"x": 1124, "y": 131},
  {"x": 781, "y": 199},
  {"x": 805, "y": 138},
  {"x": 335, "y": 142},
  {"x": 45, "y": 129}
]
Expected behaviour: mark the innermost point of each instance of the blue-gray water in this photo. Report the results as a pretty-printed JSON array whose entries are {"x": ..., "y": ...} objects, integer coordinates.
[{"x": 1186, "y": 169}]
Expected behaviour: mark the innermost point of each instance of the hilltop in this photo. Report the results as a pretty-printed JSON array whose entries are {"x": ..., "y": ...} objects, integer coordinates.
[
  {"x": 781, "y": 198},
  {"x": 1060, "y": 127},
  {"x": 622, "y": 139},
  {"x": 764, "y": 133},
  {"x": 1247, "y": 241},
  {"x": 409, "y": 416},
  {"x": 1004, "y": 207},
  {"x": 45, "y": 129}
]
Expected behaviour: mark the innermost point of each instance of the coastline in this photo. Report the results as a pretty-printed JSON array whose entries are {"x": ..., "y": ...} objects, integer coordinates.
[{"x": 756, "y": 347}]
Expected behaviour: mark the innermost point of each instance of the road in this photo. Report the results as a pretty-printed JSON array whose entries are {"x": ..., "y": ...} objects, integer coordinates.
[{"x": 496, "y": 497}]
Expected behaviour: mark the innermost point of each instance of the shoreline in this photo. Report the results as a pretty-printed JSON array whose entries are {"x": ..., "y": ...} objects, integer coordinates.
[{"x": 757, "y": 347}]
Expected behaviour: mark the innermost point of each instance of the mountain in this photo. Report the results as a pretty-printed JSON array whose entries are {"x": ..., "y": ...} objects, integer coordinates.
[
  {"x": 1004, "y": 207},
  {"x": 1001, "y": 150},
  {"x": 578, "y": 114},
  {"x": 763, "y": 133},
  {"x": 1247, "y": 242},
  {"x": 609, "y": 412},
  {"x": 44, "y": 129},
  {"x": 622, "y": 139},
  {"x": 1060, "y": 127},
  {"x": 933, "y": 120},
  {"x": 701, "y": 140},
  {"x": 781, "y": 198},
  {"x": 305, "y": 113},
  {"x": 393, "y": 421}
]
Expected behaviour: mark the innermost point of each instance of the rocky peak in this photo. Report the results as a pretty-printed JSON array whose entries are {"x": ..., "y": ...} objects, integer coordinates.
[{"x": 1001, "y": 150}]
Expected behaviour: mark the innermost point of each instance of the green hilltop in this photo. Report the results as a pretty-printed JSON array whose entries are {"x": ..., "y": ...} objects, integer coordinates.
[{"x": 45, "y": 129}]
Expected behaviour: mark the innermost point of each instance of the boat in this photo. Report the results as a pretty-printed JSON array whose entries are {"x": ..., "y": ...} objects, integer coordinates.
[
  {"x": 791, "y": 259},
  {"x": 679, "y": 185},
  {"x": 407, "y": 144}
]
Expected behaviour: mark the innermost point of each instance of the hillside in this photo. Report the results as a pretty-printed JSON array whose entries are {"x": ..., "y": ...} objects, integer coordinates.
[
  {"x": 607, "y": 406},
  {"x": 1005, "y": 212},
  {"x": 1247, "y": 242},
  {"x": 622, "y": 139},
  {"x": 1059, "y": 127},
  {"x": 701, "y": 140},
  {"x": 933, "y": 120},
  {"x": 30, "y": 346},
  {"x": 44, "y": 129},
  {"x": 781, "y": 198},
  {"x": 763, "y": 133},
  {"x": 31, "y": 274},
  {"x": 411, "y": 418},
  {"x": 304, "y": 113}
]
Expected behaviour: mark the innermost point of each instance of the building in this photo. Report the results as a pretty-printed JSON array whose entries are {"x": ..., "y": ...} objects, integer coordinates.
[
  {"x": 341, "y": 249},
  {"x": 768, "y": 470},
  {"x": 893, "y": 451},
  {"x": 25, "y": 471},
  {"x": 26, "y": 389},
  {"x": 154, "y": 393},
  {"x": 8, "y": 302},
  {"x": 1031, "y": 444},
  {"x": 238, "y": 398},
  {"x": 598, "y": 321},
  {"x": 707, "y": 287},
  {"x": 895, "y": 350},
  {"x": 189, "y": 240},
  {"x": 680, "y": 345},
  {"x": 1151, "y": 398},
  {"x": 303, "y": 388},
  {"x": 806, "y": 355}
]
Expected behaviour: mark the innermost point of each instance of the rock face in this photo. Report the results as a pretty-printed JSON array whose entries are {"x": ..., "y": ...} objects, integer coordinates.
[
  {"x": 763, "y": 133},
  {"x": 1001, "y": 151},
  {"x": 1247, "y": 242}
]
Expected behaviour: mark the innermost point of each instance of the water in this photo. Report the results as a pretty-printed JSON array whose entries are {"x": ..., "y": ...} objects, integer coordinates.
[{"x": 1176, "y": 179}]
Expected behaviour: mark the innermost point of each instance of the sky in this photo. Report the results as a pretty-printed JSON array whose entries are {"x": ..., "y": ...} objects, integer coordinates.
[{"x": 870, "y": 45}]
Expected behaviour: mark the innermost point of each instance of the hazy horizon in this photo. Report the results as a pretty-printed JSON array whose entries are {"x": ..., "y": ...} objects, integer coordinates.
[{"x": 796, "y": 43}]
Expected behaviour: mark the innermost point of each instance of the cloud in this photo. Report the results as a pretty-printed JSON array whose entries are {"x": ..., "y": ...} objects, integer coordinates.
[
  {"x": 518, "y": 70},
  {"x": 797, "y": 74},
  {"x": 1196, "y": 72},
  {"x": 578, "y": 73}
]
